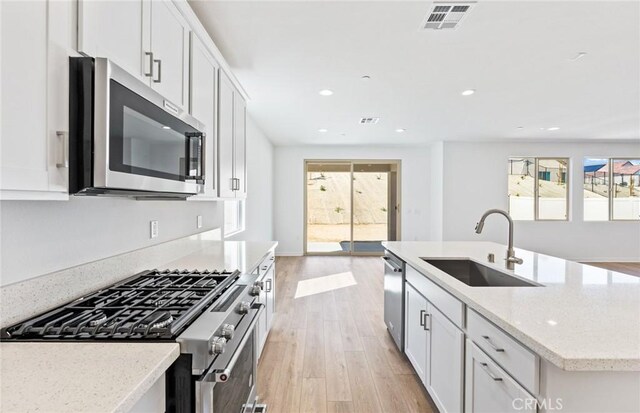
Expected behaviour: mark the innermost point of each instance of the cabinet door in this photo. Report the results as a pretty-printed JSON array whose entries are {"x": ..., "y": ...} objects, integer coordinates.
[
  {"x": 270, "y": 286},
  {"x": 170, "y": 46},
  {"x": 225, "y": 136},
  {"x": 204, "y": 71},
  {"x": 34, "y": 104},
  {"x": 118, "y": 30},
  {"x": 490, "y": 389},
  {"x": 415, "y": 330},
  {"x": 240, "y": 145},
  {"x": 445, "y": 355}
]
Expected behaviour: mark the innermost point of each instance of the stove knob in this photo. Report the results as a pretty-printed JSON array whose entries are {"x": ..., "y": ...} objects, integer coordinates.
[
  {"x": 217, "y": 345},
  {"x": 256, "y": 288},
  {"x": 243, "y": 308},
  {"x": 227, "y": 331}
]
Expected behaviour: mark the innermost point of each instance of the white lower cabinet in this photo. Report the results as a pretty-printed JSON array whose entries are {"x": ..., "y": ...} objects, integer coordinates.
[
  {"x": 435, "y": 348},
  {"x": 490, "y": 389},
  {"x": 445, "y": 362},
  {"x": 267, "y": 272},
  {"x": 415, "y": 343}
]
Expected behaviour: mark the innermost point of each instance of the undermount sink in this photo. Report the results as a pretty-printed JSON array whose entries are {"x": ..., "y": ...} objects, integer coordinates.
[{"x": 477, "y": 275}]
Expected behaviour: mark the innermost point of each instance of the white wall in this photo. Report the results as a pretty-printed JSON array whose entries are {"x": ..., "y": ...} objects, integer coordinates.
[
  {"x": 260, "y": 186},
  {"x": 41, "y": 237},
  {"x": 475, "y": 179},
  {"x": 289, "y": 188}
]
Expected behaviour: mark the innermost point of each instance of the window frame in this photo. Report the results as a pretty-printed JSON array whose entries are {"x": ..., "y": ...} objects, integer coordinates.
[
  {"x": 536, "y": 188},
  {"x": 610, "y": 176},
  {"x": 241, "y": 211}
]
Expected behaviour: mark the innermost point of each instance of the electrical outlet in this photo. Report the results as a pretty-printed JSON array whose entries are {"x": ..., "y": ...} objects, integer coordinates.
[
  {"x": 199, "y": 221},
  {"x": 154, "y": 229}
]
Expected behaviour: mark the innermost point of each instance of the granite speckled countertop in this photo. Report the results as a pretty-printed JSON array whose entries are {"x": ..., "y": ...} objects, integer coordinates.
[
  {"x": 583, "y": 318},
  {"x": 80, "y": 377}
]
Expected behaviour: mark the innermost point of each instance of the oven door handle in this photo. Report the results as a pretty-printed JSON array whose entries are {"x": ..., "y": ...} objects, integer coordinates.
[{"x": 223, "y": 374}]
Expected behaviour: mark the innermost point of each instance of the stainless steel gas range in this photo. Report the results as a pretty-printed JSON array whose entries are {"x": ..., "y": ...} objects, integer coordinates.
[{"x": 211, "y": 315}]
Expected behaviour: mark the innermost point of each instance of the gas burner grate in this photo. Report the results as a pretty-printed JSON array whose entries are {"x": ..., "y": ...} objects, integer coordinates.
[{"x": 153, "y": 304}]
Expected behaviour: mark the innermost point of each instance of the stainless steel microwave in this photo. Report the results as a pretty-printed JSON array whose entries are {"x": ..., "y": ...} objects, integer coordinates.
[{"x": 126, "y": 139}]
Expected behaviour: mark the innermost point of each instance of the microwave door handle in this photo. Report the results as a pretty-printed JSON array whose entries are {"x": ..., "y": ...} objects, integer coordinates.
[
  {"x": 223, "y": 374},
  {"x": 188, "y": 176}
]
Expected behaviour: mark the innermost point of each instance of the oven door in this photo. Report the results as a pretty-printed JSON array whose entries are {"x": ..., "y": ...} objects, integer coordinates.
[
  {"x": 229, "y": 385},
  {"x": 142, "y": 141}
]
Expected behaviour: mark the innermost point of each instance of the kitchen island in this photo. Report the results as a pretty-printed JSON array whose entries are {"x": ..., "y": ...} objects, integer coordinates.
[{"x": 575, "y": 334}]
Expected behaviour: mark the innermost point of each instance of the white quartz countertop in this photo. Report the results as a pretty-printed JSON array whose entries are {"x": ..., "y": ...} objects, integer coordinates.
[
  {"x": 80, "y": 377},
  {"x": 229, "y": 255},
  {"x": 582, "y": 318}
]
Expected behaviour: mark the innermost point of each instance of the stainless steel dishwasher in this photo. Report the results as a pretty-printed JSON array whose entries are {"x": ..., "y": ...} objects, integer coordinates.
[{"x": 394, "y": 297}]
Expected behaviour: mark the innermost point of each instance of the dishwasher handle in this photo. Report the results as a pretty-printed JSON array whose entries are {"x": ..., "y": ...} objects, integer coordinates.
[{"x": 391, "y": 264}]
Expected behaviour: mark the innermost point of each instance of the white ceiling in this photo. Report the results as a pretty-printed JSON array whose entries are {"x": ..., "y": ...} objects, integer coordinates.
[{"x": 516, "y": 54}]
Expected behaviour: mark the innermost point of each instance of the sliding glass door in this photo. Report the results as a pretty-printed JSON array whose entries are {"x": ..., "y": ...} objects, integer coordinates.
[{"x": 350, "y": 206}]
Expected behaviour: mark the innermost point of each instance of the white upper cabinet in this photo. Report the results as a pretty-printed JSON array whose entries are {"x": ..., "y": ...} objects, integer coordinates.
[
  {"x": 225, "y": 138},
  {"x": 203, "y": 106},
  {"x": 117, "y": 30},
  {"x": 170, "y": 48},
  {"x": 149, "y": 39},
  {"x": 240, "y": 145},
  {"x": 232, "y": 141},
  {"x": 34, "y": 99}
]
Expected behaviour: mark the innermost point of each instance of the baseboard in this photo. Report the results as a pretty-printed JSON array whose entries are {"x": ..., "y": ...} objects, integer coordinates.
[{"x": 288, "y": 254}]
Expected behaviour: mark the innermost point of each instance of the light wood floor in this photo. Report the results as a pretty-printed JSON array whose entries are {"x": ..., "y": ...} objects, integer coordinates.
[
  {"x": 330, "y": 351},
  {"x": 631, "y": 268}
]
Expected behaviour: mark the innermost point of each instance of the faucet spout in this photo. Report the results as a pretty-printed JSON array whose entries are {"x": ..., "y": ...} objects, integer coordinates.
[{"x": 511, "y": 259}]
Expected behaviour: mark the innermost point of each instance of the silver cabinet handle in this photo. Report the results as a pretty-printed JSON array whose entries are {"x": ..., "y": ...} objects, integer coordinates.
[
  {"x": 150, "y": 72},
  {"x": 485, "y": 367},
  {"x": 159, "y": 78},
  {"x": 393, "y": 266},
  {"x": 64, "y": 159},
  {"x": 422, "y": 320},
  {"x": 493, "y": 346},
  {"x": 425, "y": 320},
  {"x": 269, "y": 281}
]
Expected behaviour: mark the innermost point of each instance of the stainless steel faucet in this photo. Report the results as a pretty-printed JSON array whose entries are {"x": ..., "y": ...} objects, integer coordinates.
[{"x": 511, "y": 259}]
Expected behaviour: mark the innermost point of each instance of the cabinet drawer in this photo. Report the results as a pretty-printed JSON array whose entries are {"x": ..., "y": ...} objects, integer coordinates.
[
  {"x": 515, "y": 358},
  {"x": 489, "y": 389},
  {"x": 445, "y": 302},
  {"x": 266, "y": 263}
]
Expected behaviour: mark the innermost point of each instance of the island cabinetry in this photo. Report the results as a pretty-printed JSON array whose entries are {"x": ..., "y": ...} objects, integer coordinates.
[{"x": 433, "y": 343}]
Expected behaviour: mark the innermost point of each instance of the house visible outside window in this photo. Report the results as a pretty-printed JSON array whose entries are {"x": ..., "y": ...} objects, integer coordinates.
[
  {"x": 611, "y": 189},
  {"x": 233, "y": 217},
  {"x": 538, "y": 188}
]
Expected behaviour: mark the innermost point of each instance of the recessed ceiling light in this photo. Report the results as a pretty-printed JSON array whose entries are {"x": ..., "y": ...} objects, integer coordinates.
[
  {"x": 400, "y": 130},
  {"x": 365, "y": 77},
  {"x": 326, "y": 92},
  {"x": 520, "y": 127},
  {"x": 553, "y": 128},
  {"x": 323, "y": 130},
  {"x": 166, "y": 127},
  {"x": 468, "y": 92}
]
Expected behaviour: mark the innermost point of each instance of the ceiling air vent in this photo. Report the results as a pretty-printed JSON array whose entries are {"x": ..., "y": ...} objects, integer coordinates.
[
  {"x": 369, "y": 121},
  {"x": 446, "y": 15}
]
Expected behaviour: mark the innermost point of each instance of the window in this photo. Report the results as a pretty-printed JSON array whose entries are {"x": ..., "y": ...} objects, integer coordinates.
[
  {"x": 233, "y": 217},
  {"x": 538, "y": 188},
  {"x": 611, "y": 189}
]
